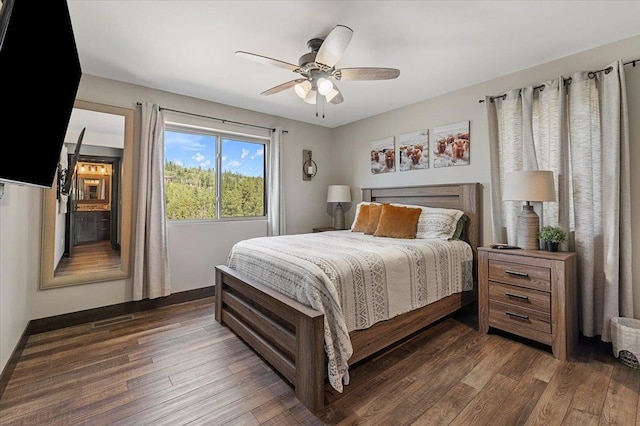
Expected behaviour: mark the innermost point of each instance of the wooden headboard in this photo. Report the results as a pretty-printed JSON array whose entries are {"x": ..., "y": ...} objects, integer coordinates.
[{"x": 461, "y": 196}]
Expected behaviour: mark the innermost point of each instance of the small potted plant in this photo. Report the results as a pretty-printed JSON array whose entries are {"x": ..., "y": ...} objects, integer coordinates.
[{"x": 552, "y": 236}]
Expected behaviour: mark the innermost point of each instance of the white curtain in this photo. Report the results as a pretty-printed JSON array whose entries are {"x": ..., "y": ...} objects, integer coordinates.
[
  {"x": 151, "y": 263},
  {"x": 577, "y": 128},
  {"x": 275, "y": 207}
]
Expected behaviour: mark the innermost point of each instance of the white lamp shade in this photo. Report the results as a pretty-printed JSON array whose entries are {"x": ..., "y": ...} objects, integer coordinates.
[
  {"x": 302, "y": 89},
  {"x": 339, "y": 194},
  {"x": 529, "y": 185},
  {"x": 324, "y": 86},
  {"x": 332, "y": 94},
  {"x": 311, "y": 97}
]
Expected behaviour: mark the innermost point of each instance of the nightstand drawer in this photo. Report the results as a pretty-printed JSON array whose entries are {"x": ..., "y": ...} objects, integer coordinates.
[
  {"x": 514, "y": 318},
  {"x": 535, "y": 277},
  {"x": 520, "y": 296}
]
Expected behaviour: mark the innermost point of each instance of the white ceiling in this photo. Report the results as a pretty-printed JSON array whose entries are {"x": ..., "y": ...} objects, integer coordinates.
[{"x": 187, "y": 47}]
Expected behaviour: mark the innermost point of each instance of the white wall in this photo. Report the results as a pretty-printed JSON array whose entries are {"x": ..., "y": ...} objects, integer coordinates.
[
  {"x": 351, "y": 142},
  {"x": 19, "y": 262}
]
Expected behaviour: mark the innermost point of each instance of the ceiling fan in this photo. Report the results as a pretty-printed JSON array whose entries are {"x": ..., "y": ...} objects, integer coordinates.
[{"x": 317, "y": 68}]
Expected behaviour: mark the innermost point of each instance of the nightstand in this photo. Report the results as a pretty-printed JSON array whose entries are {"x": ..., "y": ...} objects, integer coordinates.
[
  {"x": 530, "y": 293},
  {"x": 326, "y": 228}
]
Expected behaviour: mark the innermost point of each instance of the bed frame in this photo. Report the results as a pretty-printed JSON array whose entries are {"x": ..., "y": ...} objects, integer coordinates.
[{"x": 290, "y": 335}]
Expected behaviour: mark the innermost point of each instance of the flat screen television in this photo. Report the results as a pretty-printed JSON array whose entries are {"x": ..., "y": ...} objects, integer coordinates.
[{"x": 39, "y": 78}]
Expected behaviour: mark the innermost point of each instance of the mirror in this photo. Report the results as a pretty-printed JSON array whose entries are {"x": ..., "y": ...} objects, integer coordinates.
[
  {"x": 94, "y": 183},
  {"x": 86, "y": 234},
  {"x": 94, "y": 190}
]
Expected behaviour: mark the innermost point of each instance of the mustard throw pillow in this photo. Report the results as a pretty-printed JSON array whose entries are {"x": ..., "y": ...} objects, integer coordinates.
[
  {"x": 374, "y": 216},
  {"x": 398, "y": 222},
  {"x": 355, "y": 216},
  {"x": 362, "y": 220}
]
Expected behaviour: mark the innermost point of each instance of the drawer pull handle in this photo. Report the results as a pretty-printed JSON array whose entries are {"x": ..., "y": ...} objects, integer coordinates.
[
  {"x": 519, "y": 274},
  {"x": 517, "y": 296},
  {"x": 511, "y": 314}
]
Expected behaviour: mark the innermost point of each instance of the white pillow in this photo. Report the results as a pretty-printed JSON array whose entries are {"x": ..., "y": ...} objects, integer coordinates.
[
  {"x": 436, "y": 222},
  {"x": 355, "y": 216}
]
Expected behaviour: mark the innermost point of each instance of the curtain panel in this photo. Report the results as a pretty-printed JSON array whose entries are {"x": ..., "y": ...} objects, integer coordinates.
[
  {"x": 151, "y": 263},
  {"x": 577, "y": 128},
  {"x": 276, "y": 200}
]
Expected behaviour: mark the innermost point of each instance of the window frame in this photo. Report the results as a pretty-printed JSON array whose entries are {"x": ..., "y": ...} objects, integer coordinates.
[{"x": 220, "y": 135}]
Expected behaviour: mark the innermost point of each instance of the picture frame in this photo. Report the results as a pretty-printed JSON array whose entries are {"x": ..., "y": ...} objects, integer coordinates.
[
  {"x": 452, "y": 145},
  {"x": 413, "y": 148},
  {"x": 383, "y": 155}
]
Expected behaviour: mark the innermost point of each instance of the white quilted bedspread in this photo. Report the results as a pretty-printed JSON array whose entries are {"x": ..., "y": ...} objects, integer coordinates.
[{"x": 356, "y": 280}]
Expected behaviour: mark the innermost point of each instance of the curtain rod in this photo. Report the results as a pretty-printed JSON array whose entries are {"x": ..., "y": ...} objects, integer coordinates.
[
  {"x": 223, "y": 120},
  {"x": 566, "y": 81}
]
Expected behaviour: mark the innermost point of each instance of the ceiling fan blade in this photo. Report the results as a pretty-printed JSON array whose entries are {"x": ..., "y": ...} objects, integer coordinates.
[
  {"x": 334, "y": 45},
  {"x": 268, "y": 61},
  {"x": 366, "y": 73},
  {"x": 283, "y": 86}
]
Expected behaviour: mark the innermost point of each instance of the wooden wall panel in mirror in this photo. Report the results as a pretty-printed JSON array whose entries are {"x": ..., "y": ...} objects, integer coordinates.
[{"x": 86, "y": 234}]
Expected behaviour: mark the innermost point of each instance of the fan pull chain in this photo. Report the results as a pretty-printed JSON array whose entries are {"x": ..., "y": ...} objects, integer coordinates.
[{"x": 319, "y": 99}]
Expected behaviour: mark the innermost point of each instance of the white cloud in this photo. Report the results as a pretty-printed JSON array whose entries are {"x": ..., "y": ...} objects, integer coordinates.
[
  {"x": 259, "y": 153},
  {"x": 187, "y": 142},
  {"x": 245, "y": 152}
]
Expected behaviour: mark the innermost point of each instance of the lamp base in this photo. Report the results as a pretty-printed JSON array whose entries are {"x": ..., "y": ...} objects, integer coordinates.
[
  {"x": 338, "y": 217},
  {"x": 528, "y": 227}
]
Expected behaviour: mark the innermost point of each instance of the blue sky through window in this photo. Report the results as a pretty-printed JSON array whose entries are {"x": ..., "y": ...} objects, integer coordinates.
[{"x": 196, "y": 150}]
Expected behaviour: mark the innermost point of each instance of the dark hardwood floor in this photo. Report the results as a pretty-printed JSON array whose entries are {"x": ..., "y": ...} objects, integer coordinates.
[
  {"x": 175, "y": 366},
  {"x": 97, "y": 256}
]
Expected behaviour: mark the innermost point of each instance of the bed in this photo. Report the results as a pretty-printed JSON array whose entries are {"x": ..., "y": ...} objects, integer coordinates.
[{"x": 309, "y": 345}]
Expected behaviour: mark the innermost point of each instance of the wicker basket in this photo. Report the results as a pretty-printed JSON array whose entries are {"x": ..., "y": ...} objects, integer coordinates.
[{"x": 625, "y": 338}]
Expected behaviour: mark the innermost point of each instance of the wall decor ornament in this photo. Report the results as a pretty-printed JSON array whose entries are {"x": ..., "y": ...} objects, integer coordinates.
[
  {"x": 452, "y": 145},
  {"x": 414, "y": 150},
  {"x": 309, "y": 167},
  {"x": 383, "y": 156}
]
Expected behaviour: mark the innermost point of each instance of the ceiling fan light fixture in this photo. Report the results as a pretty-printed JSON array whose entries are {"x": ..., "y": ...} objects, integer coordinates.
[
  {"x": 317, "y": 71},
  {"x": 311, "y": 97},
  {"x": 332, "y": 94},
  {"x": 324, "y": 86},
  {"x": 302, "y": 89}
]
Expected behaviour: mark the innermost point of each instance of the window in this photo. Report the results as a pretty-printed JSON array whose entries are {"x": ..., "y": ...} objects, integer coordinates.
[{"x": 211, "y": 175}]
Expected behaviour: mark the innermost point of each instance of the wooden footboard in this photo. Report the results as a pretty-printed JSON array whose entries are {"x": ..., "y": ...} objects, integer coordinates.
[
  {"x": 287, "y": 334},
  {"x": 290, "y": 335}
]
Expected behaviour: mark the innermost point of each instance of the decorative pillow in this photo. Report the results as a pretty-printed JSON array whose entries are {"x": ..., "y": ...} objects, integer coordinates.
[
  {"x": 436, "y": 222},
  {"x": 374, "y": 217},
  {"x": 355, "y": 219},
  {"x": 362, "y": 218},
  {"x": 457, "y": 235},
  {"x": 398, "y": 222}
]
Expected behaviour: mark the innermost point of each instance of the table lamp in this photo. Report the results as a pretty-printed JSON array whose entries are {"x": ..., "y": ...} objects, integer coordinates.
[
  {"x": 529, "y": 185},
  {"x": 338, "y": 194}
]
